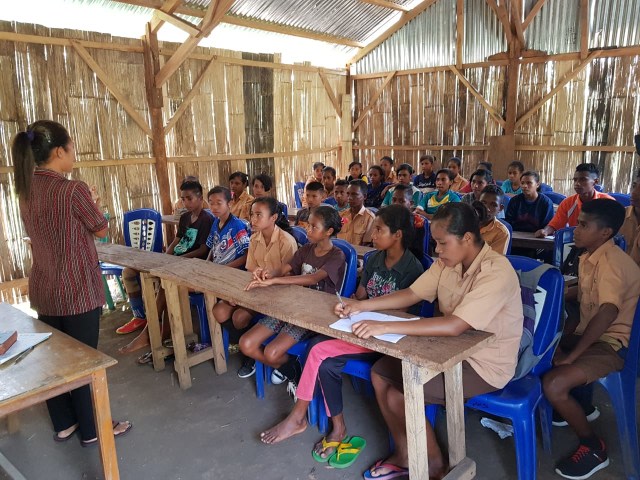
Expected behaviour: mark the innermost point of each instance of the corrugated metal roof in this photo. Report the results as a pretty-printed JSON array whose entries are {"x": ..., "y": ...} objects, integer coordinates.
[
  {"x": 483, "y": 34},
  {"x": 555, "y": 29},
  {"x": 614, "y": 23}
]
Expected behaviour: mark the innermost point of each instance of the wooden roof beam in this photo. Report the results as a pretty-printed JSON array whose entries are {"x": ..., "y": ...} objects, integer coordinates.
[
  {"x": 387, "y": 4},
  {"x": 516, "y": 18},
  {"x": 405, "y": 18},
  {"x": 534, "y": 11},
  {"x": 160, "y": 17},
  {"x": 169, "y": 6},
  {"x": 503, "y": 16}
]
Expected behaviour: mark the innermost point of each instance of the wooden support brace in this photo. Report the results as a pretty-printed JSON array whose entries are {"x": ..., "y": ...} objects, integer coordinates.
[
  {"x": 160, "y": 16},
  {"x": 459, "y": 32},
  {"x": 373, "y": 101},
  {"x": 332, "y": 97},
  {"x": 111, "y": 86},
  {"x": 584, "y": 29},
  {"x": 516, "y": 17},
  {"x": 169, "y": 6},
  {"x": 534, "y": 11},
  {"x": 387, "y": 4},
  {"x": 493, "y": 113},
  {"x": 566, "y": 79},
  {"x": 215, "y": 331},
  {"x": 177, "y": 309},
  {"x": 503, "y": 16},
  {"x": 455, "y": 414}
]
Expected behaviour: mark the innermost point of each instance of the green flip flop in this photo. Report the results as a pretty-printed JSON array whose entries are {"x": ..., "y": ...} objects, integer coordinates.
[
  {"x": 325, "y": 445},
  {"x": 347, "y": 452}
]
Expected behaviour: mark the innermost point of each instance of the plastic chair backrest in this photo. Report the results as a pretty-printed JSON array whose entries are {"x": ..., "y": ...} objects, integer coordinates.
[
  {"x": 562, "y": 245},
  {"x": 550, "y": 293},
  {"x": 298, "y": 192},
  {"x": 351, "y": 270},
  {"x": 505, "y": 202},
  {"x": 499, "y": 183},
  {"x": 545, "y": 188},
  {"x": 427, "y": 235},
  {"x": 620, "y": 241},
  {"x": 510, "y": 228},
  {"x": 284, "y": 208},
  {"x": 622, "y": 198},
  {"x": 300, "y": 234},
  {"x": 555, "y": 197},
  {"x": 598, "y": 187},
  {"x": 373, "y": 210},
  {"x": 143, "y": 229},
  {"x": 633, "y": 350}
]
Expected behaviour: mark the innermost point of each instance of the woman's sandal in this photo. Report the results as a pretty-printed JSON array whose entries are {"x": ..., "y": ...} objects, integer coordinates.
[
  {"x": 59, "y": 439},
  {"x": 319, "y": 458},
  {"x": 90, "y": 443},
  {"x": 347, "y": 452},
  {"x": 394, "y": 471}
]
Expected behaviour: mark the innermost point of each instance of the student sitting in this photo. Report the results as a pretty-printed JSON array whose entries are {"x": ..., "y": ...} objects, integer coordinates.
[
  {"x": 402, "y": 195},
  {"x": 376, "y": 187},
  {"x": 317, "y": 265},
  {"x": 493, "y": 232},
  {"x": 479, "y": 179},
  {"x": 386, "y": 163},
  {"x": 529, "y": 211},
  {"x": 328, "y": 181},
  {"x": 190, "y": 242},
  {"x": 404, "y": 174},
  {"x": 178, "y": 207},
  {"x": 392, "y": 268},
  {"x": 487, "y": 166},
  {"x": 512, "y": 186},
  {"x": 476, "y": 289},
  {"x": 458, "y": 182},
  {"x": 631, "y": 226},
  {"x": 355, "y": 173},
  {"x": 270, "y": 247},
  {"x": 241, "y": 200},
  {"x": 340, "y": 195},
  {"x": 426, "y": 181},
  {"x": 430, "y": 203},
  {"x": 357, "y": 221},
  {"x": 314, "y": 196},
  {"x": 584, "y": 181},
  {"x": 229, "y": 236},
  {"x": 594, "y": 344},
  {"x": 318, "y": 167},
  {"x": 261, "y": 186}
]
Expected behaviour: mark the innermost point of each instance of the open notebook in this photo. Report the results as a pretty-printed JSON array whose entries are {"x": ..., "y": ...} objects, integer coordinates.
[
  {"x": 345, "y": 324},
  {"x": 24, "y": 342}
]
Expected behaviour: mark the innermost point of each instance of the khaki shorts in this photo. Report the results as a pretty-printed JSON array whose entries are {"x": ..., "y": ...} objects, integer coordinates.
[
  {"x": 390, "y": 369},
  {"x": 597, "y": 361}
]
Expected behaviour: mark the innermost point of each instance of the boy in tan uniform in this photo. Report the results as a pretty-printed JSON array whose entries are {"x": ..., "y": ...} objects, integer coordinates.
[
  {"x": 357, "y": 220},
  {"x": 591, "y": 347}
]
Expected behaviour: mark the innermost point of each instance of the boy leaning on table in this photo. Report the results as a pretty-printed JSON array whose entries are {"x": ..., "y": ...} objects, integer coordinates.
[{"x": 594, "y": 342}]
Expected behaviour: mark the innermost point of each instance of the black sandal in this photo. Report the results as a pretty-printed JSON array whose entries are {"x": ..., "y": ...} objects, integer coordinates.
[{"x": 146, "y": 358}]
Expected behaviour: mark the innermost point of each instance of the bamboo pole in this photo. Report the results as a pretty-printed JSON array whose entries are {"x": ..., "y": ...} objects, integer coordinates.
[{"x": 373, "y": 101}]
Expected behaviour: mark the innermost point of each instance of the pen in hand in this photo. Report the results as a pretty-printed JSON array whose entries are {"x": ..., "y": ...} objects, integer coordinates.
[{"x": 342, "y": 304}]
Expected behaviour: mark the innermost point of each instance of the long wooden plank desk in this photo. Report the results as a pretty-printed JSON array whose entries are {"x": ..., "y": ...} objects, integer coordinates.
[
  {"x": 170, "y": 220},
  {"x": 58, "y": 365},
  {"x": 422, "y": 357},
  {"x": 144, "y": 262},
  {"x": 528, "y": 240}
]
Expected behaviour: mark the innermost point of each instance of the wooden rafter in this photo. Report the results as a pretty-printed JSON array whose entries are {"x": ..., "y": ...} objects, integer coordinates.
[
  {"x": 563, "y": 81},
  {"x": 111, "y": 86},
  {"x": 169, "y": 6},
  {"x": 212, "y": 17},
  {"x": 584, "y": 29},
  {"x": 459, "y": 32},
  {"x": 534, "y": 11},
  {"x": 503, "y": 16},
  {"x": 373, "y": 101},
  {"x": 516, "y": 18},
  {"x": 405, "y": 18},
  {"x": 190, "y": 28},
  {"x": 332, "y": 97},
  {"x": 493, "y": 113},
  {"x": 387, "y": 4}
]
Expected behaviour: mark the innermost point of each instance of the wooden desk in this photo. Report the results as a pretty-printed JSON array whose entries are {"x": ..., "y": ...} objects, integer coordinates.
[
  {"x": 56, "y": 366},
  {"x": 291, "y": 213},
  {"x": 170, "y": 220},
  {"x": 528, "y": 240},
  {"x": 361, "y": 251},
  {"x": 422, "y": 357},
  {"x": 144, "y": 262}
]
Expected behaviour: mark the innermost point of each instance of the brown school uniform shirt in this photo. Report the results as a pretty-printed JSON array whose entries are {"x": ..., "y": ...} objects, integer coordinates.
[
  {"x": 607, "y": 276},
  {"x": 279, "y": 251},
  {"x": 391, "y": 178},
  {"x": 458, "y": 183},
  {"x": 357, "y": 230},
  {"x": 241, "y": 207},
  {"x": 496, "y": 235},
  {"x": 629, "y": 231},
  {"x": 487, "y": 297}
]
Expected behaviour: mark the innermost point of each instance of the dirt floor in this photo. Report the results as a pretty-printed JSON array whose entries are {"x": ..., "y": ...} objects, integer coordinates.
[{"x": 211, "y": 431}]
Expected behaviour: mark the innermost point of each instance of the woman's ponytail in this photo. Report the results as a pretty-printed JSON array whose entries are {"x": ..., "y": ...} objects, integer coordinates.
[{"x": 24, "y": 163}]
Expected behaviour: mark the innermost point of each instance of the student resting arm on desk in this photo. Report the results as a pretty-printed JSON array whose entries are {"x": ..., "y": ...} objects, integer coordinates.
[{"x": 476, "y": 288}]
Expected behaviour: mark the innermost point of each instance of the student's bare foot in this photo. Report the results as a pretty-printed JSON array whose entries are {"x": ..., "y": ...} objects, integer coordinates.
[
  {"x": 283, "y": 430},
  {"x": 334, "y": 436},
  {"x": 138, "y": 343}
]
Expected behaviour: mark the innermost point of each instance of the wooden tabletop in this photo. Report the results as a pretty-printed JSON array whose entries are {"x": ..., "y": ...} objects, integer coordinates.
[
  {"x": 170, "y": 220},
  {"x": 57, "y": 361},
  {"x": 361, "y": 251},
  {"x": 529, "y": 240},
  {"x": 313, "y": 310},
  {"x": 140, "y": 260}
]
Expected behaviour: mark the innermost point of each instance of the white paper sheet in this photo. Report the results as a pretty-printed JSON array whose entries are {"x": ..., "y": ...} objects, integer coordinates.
[
  {"x": 345, "y": 324},
  {"x": 24, "y": 342}
]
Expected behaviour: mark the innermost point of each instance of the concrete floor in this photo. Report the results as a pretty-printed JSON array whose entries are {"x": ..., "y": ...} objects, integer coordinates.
[{"x": 211, "y": 431}]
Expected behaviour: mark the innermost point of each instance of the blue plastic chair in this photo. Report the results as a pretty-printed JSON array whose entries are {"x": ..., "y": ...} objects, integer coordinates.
[
  {"x": 284, "y": 208},
  {"x": 519, "y": 399},
  {"x": 427, "y": 235},
  {"x": 510, "y": 228},
  {"x": 622, "y": 198},
  {"x": 499, "y": 183},
  {"x": 555, "y": 197},
  {"x": 598, "y": 187},
  {"x": 300, "y": 234},
  {"x": 545, "y": 188},
  {"x": 562, "y": 245},
  {"x": 298, "y": 192},
  {"x": 505, "y": 202}
]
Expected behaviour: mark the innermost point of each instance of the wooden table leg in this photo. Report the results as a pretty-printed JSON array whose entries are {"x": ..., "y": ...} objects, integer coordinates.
[
  {"x": 413, "y": 378},
  {"x": 104, "y": 427},
  {"x": 215, "y": 331},
  {"x": 177, "y": 308},
  {"x": 153, "y": 320}
]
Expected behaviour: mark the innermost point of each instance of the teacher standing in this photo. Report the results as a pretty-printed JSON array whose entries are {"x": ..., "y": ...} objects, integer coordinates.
[{"x": 65, "y": 285}]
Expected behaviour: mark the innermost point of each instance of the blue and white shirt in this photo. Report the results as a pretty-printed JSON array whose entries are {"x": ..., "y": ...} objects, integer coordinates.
[{"x": 231, "y": 242}]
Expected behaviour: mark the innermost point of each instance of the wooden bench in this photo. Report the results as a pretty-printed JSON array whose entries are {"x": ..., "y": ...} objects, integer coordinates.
[
  {"x": 529, "y": 240},
  {"x": 422, "y": 357}
]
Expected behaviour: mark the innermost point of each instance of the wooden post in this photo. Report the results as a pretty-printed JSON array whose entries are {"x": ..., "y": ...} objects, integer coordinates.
[
  {"x": 346, "y": 137},
  {"x": 459, "y": 33},
  {"x": 584, "y": 29},
  {"x": 154, "y": 98}
]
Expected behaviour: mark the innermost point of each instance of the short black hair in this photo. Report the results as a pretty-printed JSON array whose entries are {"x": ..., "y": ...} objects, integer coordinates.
[
  {"x": 493, "y": 189},
  {"x": 517, "y": 165},
  {"x": 430, "y": 158},
  {"x": 531, "y": 173},
  {"x": 606, "y": 213},
  {"x": 406, "y": 189},
  {"x": 388, "y": 159},
  {"x": 353, "y": 164},
  {"x": 244, "y": 178},
  {"x": 487, "y": 165},
  {"x": 341, "y": 183},
  {"x": 405, "y": 166},
  {"x": 461, "y": 218},
  {"x": 447, "y": 171},
  {"x": 398, "y": 217},
  {"x": 330, "y": 218},
  {"x": 455, "y": 160},
  {"x": 377, "y": 168},
  {"x": 314, "y": 187},
  {"x": 265, "y": 180},
  {"x": 361, "y": 184},
  {"x": 591, "y": 168},
  {"x": 331, "y": 170},
  {"x": 318, "y": 164},
  {"x": 192, "y": 186},
  {"x": 486, "y": 174},
  {"x": 220, "y": 189}
]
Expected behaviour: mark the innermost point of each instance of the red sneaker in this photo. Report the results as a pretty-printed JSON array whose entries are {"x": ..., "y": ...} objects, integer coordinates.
[{"x": 131, "y": 326}]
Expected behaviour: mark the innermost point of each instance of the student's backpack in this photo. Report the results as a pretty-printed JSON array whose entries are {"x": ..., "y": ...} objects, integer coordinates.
[
  {"x": 527, "y": 359},
  {"x": 571, "y": 263}
]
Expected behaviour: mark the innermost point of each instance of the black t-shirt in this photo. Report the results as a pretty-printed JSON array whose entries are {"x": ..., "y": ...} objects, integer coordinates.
[{"x": 193, "y": 235}]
